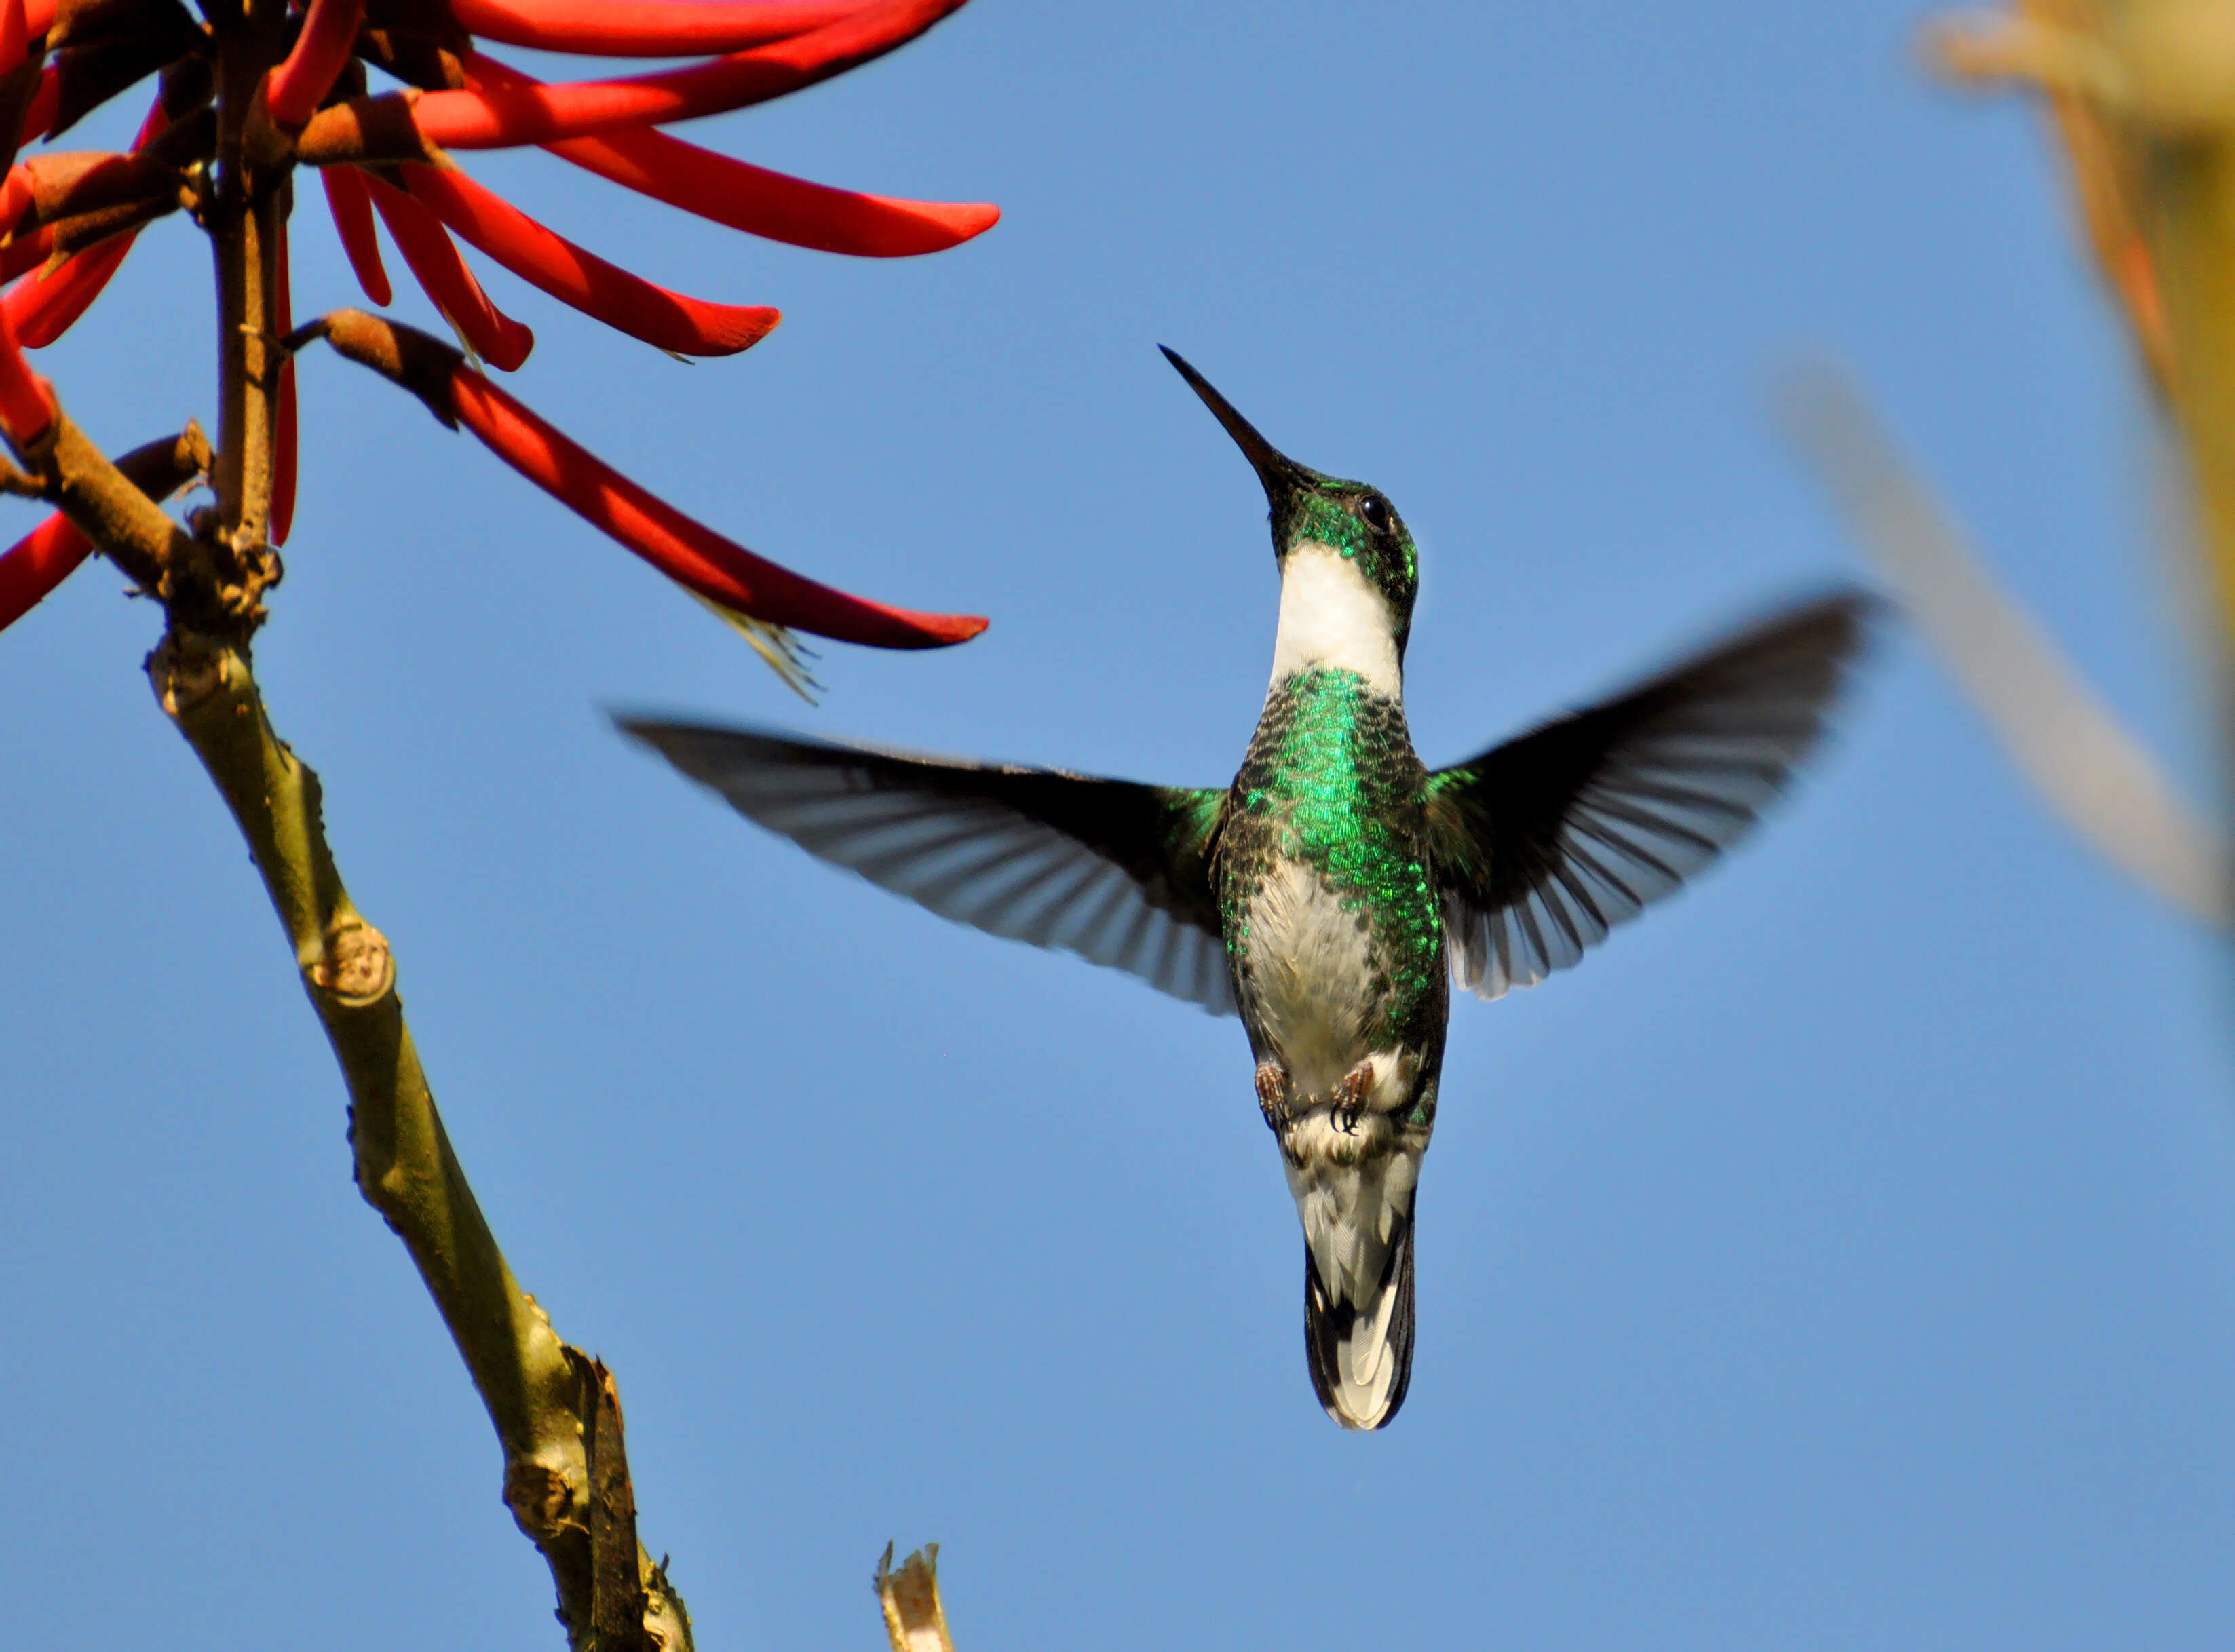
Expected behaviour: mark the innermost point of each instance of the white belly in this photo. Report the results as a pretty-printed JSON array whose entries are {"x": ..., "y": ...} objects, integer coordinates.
[{"x": 1310, "y": 963}]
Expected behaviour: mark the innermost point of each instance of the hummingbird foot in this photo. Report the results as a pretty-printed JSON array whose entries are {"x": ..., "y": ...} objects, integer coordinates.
[
  {"x": 1273, "y": 1094},
  {"x": 1351, "y": 1097}
]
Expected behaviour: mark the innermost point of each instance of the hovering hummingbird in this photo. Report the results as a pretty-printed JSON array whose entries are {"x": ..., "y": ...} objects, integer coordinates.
[{"x": 1332, "y": 893}]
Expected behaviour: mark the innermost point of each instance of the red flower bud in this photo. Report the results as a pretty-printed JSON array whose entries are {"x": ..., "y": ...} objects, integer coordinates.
[{"x": 688, "y": 326}]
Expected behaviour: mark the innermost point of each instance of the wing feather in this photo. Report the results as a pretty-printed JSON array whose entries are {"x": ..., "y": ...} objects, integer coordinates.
[
  {"x": 1544, "y": 844},
  {"x": 1117, "y": 872}
]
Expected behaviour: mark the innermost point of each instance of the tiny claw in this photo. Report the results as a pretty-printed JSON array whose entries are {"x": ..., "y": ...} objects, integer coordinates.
[
  {"x": 1273, "y": 1094},
  {"x": 1350, "y": 1098}
]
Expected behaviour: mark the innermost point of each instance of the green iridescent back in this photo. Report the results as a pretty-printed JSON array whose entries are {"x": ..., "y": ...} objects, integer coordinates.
[{"x": 1331, "y": 780}]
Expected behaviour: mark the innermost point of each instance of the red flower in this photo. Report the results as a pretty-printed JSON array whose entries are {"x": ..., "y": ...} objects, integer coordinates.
[{"x": 382, "y": 158}]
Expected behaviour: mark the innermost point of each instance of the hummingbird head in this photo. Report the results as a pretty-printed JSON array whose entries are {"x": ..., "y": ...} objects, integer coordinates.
[{"x": 1328, "y": 533}]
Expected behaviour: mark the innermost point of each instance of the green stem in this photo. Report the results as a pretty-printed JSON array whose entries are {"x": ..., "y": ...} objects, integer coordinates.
[{"x": 530, "y": 1382}]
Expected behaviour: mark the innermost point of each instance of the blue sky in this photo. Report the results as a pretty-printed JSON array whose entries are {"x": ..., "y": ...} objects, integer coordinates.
[{"x": 1843, "y": 1256}]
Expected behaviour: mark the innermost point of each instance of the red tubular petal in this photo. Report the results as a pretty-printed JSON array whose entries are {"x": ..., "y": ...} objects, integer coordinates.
[
  {"x": 293, "y": 91},
  {"x": 46, "y": 102},
  {"x": 284, "y": 439},
  {"x": 753, "y": 199},
  {"x": 26, "y": 406},
  {"x": 490, "y": 119},
  {"x": 771, "y": 204},
  {"x": 499, "y": 340},
  {"x": 688, "y": 551},
  {"x": 39, "y": 118},
  {"x": 15, "y": 197},
  {"x": 15, "y": 37},
  {"x": 647, "y": 27},
  {"x": 44, "y": 305},
  {"x": 38, "y": 562},
  {"x": 690, "y": 326},
  {"x": 351, "y": 203},
  {"x": 26, "y": 253}
]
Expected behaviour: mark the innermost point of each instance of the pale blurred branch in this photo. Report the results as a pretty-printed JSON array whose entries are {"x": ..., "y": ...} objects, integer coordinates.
[
  {"x": 555, "y": 1411},
  {"x": 2091, "y": 773},
  {"x": 915, "y": 1619}
]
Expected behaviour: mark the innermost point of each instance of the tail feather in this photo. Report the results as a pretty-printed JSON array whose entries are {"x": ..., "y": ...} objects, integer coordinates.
[{"x": 1361, "y": 1353}]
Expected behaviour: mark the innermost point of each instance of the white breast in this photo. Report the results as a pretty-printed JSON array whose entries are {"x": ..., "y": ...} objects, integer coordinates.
[{"x": 1332, "y": 616}]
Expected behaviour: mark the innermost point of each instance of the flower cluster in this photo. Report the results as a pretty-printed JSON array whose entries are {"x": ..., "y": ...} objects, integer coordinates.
[{"x": 68, "y": 219}]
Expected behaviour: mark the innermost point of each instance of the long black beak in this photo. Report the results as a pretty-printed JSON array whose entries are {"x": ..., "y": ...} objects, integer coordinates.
[{"x": 1274, "y": 468}]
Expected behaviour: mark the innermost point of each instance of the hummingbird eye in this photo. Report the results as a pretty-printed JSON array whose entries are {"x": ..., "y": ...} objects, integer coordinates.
[{"x": 1373, "y": 511}]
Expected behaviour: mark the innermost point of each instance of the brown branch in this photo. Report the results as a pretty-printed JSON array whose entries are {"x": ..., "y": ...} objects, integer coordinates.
[
  {"x": 114, "y": 504},
  {"x": 617, "y": 1593},
  {"x": 246, "y": 215}
]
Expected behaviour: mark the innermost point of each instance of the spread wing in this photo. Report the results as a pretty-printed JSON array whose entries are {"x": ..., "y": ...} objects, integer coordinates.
[
  {"x": 1544, "y": 843},
  {"x": 1116, "y": 872}
]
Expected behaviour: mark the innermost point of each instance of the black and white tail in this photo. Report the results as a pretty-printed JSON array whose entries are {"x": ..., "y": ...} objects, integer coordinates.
[{"x": 1359, "y": 1346}]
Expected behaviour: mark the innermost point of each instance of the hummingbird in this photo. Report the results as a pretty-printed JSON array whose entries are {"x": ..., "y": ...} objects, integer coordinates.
[{"x": 1333, "y": 892}]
